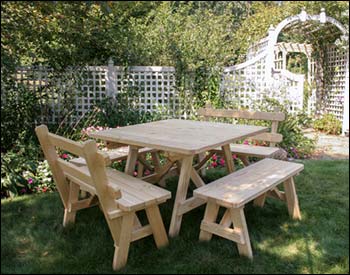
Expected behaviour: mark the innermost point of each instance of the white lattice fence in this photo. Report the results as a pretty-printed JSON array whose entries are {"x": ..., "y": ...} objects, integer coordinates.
[
  {"x": 244, "y": 84},
  {"x": 76, "y": 91},
  {"x": 335, "y": 71}
]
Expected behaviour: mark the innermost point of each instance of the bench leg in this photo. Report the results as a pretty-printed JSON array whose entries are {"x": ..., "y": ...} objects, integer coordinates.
[
  {"x": 292, "y": 199},
  {"x": 260, "y": 201},
  {"x": 245, "y": 160},
  {"x": 239, "y": 222},
  {"x": 226, "y": 220},
  {"x": 210, "y": 215},
  {"x": 122, "y": 240},
  {"x": 157, "y": 225},
  {"x": 69, "y": 216}
]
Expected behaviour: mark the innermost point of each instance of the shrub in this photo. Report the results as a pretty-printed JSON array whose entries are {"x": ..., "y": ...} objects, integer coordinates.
[
  {"x": 22, "y": 157},
  {"x": 329, "y": 124},
  {"x": 294, "y": 141}
]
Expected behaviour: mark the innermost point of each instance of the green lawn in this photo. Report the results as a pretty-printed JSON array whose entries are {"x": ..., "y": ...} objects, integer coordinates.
[{"x": 34, "y": 241}]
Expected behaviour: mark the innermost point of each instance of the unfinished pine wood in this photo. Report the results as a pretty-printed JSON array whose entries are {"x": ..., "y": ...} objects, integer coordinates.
[
  {"x": 249, "y": 150},
  {"x": 156, "y": 222},
  {"x": 122, "y": 244},
  {"x": 131, "y": 160},
  {"x": 210, "y": 112},
  {"x": 117, "y": 154},
  {"x": 51, "y": 156},
  {"x": 260, "y": 201},
  {"x": 70, "y": 213},
  {"x": 184, "y": 180},
  {"x": 180, "y": 136},
  {"x": 228, "y": 158},
  {"x": 239, "y": 223},
  {"x": 222, "y": 231},
  {"x": 180, "y": 140},
  {"x": 292, "y": 199},
  {"x": 236, "y": 189},
  {"x": 189, "y": 205},
  {"x": 119, "y": 195},
  {"x": 210, "y": 215}
]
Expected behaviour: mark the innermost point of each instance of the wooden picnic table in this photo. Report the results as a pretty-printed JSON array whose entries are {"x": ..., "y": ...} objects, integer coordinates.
[{"x": 181, "y": 140}]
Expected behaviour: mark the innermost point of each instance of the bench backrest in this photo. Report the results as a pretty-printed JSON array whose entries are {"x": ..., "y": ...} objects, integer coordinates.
[
  {"x": 275, "y": 117},
  {"x": 92, "y": 178}
]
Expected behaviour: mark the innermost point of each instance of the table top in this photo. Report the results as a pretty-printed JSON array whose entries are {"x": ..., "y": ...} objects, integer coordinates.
[{"x": 179, "y": 136}]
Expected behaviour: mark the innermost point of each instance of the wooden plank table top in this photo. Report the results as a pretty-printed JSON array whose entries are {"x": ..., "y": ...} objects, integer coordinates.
[{"x": 186, "y": 137}]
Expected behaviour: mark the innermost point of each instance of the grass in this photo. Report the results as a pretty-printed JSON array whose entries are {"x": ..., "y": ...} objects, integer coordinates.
[{"x": 34, "y": 241}]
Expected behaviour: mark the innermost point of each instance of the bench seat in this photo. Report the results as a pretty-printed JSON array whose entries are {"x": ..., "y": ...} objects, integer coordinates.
[
  {"x": 120, "y": 153},
  {"x": 136, "y": 194},
  {"x": 238, "y": 188},
  {"x": 252, "y": 150}
]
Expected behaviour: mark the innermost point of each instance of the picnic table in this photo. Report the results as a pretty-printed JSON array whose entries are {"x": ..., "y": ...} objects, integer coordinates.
[{"x": 181, "y": 140}]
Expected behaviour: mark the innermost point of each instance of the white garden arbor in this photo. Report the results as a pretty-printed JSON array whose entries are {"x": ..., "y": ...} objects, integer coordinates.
[{"x": 265, "y": 74}]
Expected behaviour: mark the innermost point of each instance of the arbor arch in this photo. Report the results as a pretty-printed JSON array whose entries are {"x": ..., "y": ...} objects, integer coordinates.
[{"x": 265, "y": 72}]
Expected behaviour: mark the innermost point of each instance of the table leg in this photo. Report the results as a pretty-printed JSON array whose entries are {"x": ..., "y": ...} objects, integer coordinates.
[
  {"x": 129, "y": 169},
  {"x": 131, "y": 161},
  {"x": 184, "y": 180},
  {"x": 228, "y": 158},
  {"x": 230, "y": 169}
]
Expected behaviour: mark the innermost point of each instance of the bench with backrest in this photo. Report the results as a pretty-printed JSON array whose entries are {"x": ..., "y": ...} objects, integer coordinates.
[
  {"x": 235, "y": 190},
  {"x": 121, "y": 153},
  {"x": 118, "y": 195},
  {"x": 244, "y": 151}
]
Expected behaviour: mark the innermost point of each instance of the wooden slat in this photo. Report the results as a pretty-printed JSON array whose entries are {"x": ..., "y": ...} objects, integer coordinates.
[
  {"x": 190, "y": 204},
  {"x": 197, "y": 180},
  {"x": 115, "y": 213},
  {"x": 225, "y": 232},
  {"x": 66, "y": 144},
  {"x": 269, "y": 137},
  {"x": 204, "y": 160},
  {"x": 75, "y": 171},
  {"x": 83, "y": 185},
  {"x": 135, "y": 184},
  {"x": 253, "y": 151},
  {"x": 85, "y": 203},
  {"x": 236, "y": 189},
  {"x": 142, "y": 232},
  {"x": 244, "y": 114}
]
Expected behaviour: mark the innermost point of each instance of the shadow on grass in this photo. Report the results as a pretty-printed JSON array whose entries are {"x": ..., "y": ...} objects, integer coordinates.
[{"x": 34, "y": 241}]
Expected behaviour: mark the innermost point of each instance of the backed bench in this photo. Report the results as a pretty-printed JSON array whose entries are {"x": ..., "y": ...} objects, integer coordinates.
[
  {"x": 121, "y": 153},
  {"x": 237, "y": 189},
  {"x": 119, "y": 195},
  {"x": 244, "y": 151}
]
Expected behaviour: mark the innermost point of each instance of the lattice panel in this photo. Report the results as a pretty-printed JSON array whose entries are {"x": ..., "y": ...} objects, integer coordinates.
[
  {"x": 335, "y": 84},
  {"x": 242, "y": 87},
  {"x": 91, "y": 89},
  {"x": 150, "y": 89},
  {"x": 37, "y": 80}
]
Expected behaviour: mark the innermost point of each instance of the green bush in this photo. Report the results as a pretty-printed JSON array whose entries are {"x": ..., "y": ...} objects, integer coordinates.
[
  {"x": 294, "y": 141},
  {"x": 21, "y": 159},
  {"x": 328, "y": 124}
]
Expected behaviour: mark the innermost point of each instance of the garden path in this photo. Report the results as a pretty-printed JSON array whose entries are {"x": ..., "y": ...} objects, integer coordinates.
[{"x": 329, "y": 146}]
